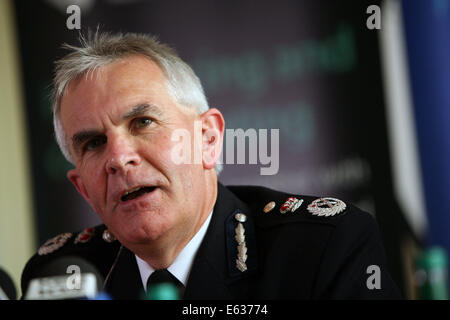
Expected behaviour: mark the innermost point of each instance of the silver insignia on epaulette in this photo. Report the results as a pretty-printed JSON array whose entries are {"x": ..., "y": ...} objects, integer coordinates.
[
  {"x": 240, "y": 238},
  {"x": 269, "y": 207},
  {"x": 291, "y": 204},
  {"x": 326, "y": 207},
  {"x": 54, "y": 244},
  {"x": 108, "y": 236},
  {"x": 84, "y": 236}
]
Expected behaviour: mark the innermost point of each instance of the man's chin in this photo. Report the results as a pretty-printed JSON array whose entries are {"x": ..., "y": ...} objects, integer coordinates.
[{"x": 141, "y": 227}]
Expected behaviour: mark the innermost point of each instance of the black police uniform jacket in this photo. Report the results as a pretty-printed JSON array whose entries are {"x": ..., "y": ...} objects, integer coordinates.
[{"x": 295, "y": 255}]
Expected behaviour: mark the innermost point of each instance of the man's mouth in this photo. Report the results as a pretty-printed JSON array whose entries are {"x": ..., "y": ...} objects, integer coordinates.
[{"x": 136, "y": 193}]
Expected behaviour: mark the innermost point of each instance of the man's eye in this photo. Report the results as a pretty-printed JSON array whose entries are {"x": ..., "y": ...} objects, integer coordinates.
[
  {"x": 142, "y": 123},
  {"x": 94, "y": 143}
]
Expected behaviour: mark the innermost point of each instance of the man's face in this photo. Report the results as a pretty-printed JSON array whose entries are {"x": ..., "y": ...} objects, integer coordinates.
[{"x": 119, "y": 122}]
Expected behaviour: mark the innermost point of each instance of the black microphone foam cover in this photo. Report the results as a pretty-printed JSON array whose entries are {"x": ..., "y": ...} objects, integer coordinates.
[{"x": 7, "y": 285}]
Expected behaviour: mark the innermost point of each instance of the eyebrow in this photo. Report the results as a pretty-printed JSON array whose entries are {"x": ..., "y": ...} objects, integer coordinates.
[
  {"x": 139, "y": 110},
  {"x": 142, "y": 109}
]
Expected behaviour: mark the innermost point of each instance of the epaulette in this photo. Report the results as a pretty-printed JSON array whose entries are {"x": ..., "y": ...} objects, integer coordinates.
[
  {"x": 96, "y": 245},
  {"x": 272, "y": 207},
  {"x": 76, "y": 241}
]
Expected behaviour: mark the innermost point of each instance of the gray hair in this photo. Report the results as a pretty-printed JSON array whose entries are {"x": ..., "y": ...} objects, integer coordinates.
[{"x": 101, "y": 49}]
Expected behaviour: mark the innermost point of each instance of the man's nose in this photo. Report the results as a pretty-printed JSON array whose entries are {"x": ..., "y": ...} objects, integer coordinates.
[{"x": 122, "y": 155}]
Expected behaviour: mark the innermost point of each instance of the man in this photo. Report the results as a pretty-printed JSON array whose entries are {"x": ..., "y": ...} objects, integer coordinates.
[{"x": 121, "y": 102}]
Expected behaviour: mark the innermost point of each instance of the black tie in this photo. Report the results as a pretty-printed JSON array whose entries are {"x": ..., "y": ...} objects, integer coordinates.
[{"x": 164, "y": 276}]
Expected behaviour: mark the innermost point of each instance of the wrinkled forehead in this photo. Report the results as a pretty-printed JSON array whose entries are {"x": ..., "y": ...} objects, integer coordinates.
[
  {"x": 108, "y": 93},
  {"x": 133, "y": 78},
  {"x": 136, "y": 71},
  {"x": 133, "y": 65}
]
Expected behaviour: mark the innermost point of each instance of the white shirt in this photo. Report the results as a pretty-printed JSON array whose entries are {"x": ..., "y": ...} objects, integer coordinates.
[{"x": 182, "y": 264}]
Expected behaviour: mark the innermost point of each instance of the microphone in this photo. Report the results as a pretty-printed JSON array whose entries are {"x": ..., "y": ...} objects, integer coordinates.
[
  {"x": 162, "y": 285},
  {"x": 7, "y": 288},
  {"x": 163, "y": 291},
  {"x": 66, "y": 278}
]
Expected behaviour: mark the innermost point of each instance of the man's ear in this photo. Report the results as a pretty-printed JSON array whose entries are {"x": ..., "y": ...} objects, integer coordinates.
[
  {"x": 213, "y": 127},
  {"x": 76, "y": 180}
]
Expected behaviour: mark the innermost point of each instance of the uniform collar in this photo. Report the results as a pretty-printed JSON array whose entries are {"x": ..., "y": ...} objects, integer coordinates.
[
  {"x": 214, "y": 274},
  {"x": 182, "y": 264}
]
